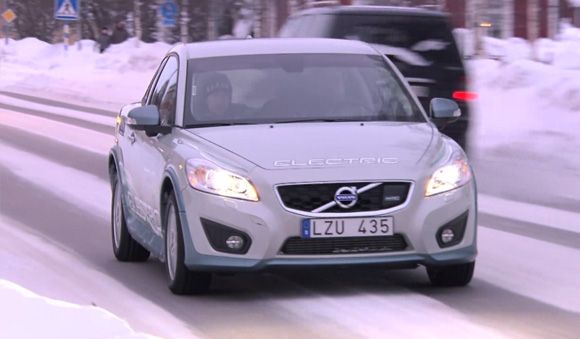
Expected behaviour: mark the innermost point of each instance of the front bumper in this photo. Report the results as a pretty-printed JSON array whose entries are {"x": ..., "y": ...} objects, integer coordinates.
[{"x": 269, "y": 225}]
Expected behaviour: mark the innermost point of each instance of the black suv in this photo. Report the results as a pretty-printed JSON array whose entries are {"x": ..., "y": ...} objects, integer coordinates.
[{"x": 418, "y": 41}]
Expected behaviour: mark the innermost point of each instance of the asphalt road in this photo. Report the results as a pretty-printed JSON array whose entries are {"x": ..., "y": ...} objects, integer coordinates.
[{"x": 503, "y": 298}]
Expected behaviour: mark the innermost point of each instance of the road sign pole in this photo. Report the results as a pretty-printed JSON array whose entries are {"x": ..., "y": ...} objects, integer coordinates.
[
  {"x": 79, "y": 28},
  {"x": 66, "y": 31},
  {"x": 79, "y": 35},
  {"x": 67, "y": 10},
  {"x": 5, "y": 23},
  {"x": 184, "y": 22}
]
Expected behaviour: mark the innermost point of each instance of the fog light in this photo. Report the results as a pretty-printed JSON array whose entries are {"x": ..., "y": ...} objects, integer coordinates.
[
  {"x": 235, "y": 242},
  {"x": 447, "y": 235}
]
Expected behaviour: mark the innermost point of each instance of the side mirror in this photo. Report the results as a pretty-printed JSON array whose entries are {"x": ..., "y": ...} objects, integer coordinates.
[
  {"x": 447, "y": 109},
  {"x": 146, "y": 118}
]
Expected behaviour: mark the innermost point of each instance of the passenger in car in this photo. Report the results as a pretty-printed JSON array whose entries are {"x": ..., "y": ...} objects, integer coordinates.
[
  {"x": 217, "y": 91},
  {"x": 213, "y": 98}
]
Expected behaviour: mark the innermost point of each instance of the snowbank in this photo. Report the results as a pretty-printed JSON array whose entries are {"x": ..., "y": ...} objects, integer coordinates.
[
  {"x": 25, "y": 314},
  {"x": 563, "y": 51},
  {"x": 528, "y": 106},
  {"x": 529, "y": 95},
  {"x": 44, "y": 266},
  {"x": 124, "y": 57},
  {"x": 548, "y": 86},
  {"x": 120, "y": 75}
]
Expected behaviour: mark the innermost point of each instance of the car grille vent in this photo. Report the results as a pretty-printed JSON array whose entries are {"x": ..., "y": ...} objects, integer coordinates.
[{"x": 346, "y": 245}]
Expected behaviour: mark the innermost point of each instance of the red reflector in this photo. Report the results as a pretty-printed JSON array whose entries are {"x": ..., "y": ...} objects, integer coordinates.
[{"x": 464, "y": 95}]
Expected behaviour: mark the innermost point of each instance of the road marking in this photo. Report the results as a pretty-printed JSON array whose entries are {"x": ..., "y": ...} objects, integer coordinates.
[
  {"x": 531, "y": 213},
  {"x": 43, "y": 265},
  {"x": 55, "y": 103},
  {"x": 79, "y": 137},
  {"x": 91, "y": 117},
  {"x": 537, "y": 269},
  {"x": 77, "y": 187}
]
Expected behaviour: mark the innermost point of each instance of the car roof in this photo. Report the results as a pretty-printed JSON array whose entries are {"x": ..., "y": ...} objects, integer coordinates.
[
  {"x": 376, "y": 10},
  {"x": 221, "y": 48}
]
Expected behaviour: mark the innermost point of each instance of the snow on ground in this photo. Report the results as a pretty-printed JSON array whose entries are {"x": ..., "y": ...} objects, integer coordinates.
[
  {"x": 120, "y": 75},
  {"x": 94, "y": 196},
  {"x": 84, "y": 138},
  {"x": 551, "y": 277},
  {"x": 528, "y": 106},
  {"x": 529, "y": 96},
  {"x": 563, "y": 51},
  {"x": 66, "y": 319},
  {"x": 37, "y": 264}
]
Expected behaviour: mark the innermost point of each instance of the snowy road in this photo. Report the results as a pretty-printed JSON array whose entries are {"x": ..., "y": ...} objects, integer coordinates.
[{"x": 54, "y": 216}]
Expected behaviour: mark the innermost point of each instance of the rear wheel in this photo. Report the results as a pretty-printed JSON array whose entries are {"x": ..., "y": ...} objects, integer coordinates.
[
  {"x": 181, "y": 279},
  {"x": 124, "y": 246},
  {"x": 452, "y": 275}
]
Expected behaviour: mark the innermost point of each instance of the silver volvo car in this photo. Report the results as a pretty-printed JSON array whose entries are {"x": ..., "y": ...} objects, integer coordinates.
[{"x": 249, "y": 155}]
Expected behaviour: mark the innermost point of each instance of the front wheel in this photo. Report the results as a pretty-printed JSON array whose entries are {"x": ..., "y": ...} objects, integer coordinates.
[
  {"x": 452, "y": 275},
  {"x": 181, "y": 279}
]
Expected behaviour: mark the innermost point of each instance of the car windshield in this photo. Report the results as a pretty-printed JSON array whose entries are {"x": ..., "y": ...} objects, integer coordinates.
[
  {"x": 285, "y": 88},
  {"x": 415, "y": 41}
]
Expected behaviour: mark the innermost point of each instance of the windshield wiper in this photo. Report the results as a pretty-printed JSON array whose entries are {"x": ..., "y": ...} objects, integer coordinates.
[
  {"x": 290, "y": 121},
  {"x": 216, "y": 124}
]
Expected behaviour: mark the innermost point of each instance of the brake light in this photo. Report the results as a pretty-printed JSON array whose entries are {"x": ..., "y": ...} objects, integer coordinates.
[{"x": 464, "y": 96}]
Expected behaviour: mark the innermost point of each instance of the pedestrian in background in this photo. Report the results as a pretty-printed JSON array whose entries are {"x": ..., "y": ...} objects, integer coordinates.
[
  {"x": 104, "y": 39},
  {"x": 120, "y": 33}
]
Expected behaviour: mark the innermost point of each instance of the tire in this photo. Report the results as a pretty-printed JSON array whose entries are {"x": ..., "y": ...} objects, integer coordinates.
[
  {"x": 451, "y": 276},
  {"x": 125, "y": 247},
  {"x": 182, "y": 281}
]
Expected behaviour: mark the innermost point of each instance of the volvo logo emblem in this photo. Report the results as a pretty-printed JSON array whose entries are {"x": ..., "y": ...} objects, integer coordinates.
[{"x": 346, "y": 197}]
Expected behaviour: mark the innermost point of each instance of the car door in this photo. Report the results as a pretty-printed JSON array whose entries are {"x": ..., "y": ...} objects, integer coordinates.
[
  {"x": 149, "y": 153},
  {"x": 130, "y": 167}
]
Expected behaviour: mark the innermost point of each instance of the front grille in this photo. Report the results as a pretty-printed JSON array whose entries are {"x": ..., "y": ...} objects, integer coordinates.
[
  {"x": 347, "y": 245},
  {"x": 309, "y": 197}
]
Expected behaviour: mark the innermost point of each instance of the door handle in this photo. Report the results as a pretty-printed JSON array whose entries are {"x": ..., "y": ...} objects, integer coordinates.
[{"x": 132, "y": 138}]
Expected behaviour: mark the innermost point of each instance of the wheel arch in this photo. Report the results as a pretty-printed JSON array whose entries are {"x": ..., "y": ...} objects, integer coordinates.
[
  {"x": 170, "y": 184},
  {"x": 113, "y": 166}
]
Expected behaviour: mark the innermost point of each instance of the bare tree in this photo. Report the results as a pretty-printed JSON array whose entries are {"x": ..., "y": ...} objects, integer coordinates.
[{"x": 35, "y": 19}]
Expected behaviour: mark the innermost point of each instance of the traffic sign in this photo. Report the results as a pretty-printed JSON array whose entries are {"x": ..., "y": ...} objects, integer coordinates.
[
  {"x": 66, "y": 9},
  {"x": 9, "y": 15},
  {"x": 169, "y": 22},
  {"x": 169, "y": 12}
]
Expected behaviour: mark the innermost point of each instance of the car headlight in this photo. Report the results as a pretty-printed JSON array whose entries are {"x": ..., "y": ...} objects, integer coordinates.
[
  {"x": 452, "y": 175},
  {"x": 208, "y": 177}
]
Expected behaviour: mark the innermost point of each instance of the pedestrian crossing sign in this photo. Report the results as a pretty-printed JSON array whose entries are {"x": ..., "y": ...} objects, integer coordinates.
[{"x": 66, "y": 9}]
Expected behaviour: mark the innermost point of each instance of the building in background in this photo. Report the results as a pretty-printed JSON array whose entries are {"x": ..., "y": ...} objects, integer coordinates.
[{"x": 570, "y": 9}]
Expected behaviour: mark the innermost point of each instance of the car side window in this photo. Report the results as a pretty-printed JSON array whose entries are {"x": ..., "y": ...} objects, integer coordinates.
[
  {"x": 164, "y": 94},
  {"x": 290, "y": 28},
  {"x": 297, "y": 27},
  {"x": 145, "y": 99},
  {"x": 168, "y": 102},
  {"x": 304, "y": 25},
  {"x": 318, "y": 26}
]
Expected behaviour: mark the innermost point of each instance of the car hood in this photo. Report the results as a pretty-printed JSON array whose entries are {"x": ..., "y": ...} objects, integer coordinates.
[{"x": 315, "y": 145}]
